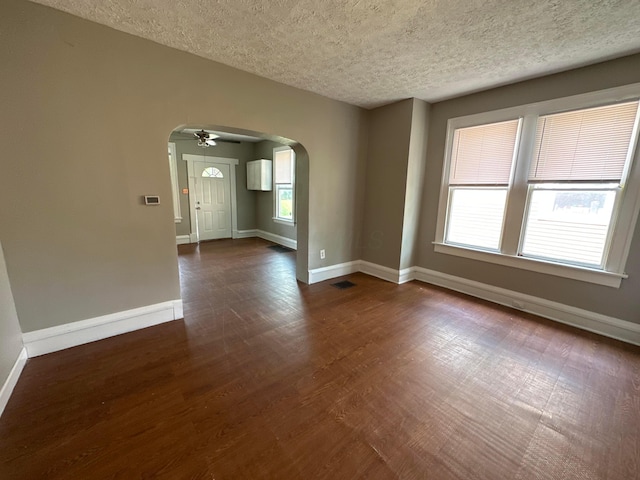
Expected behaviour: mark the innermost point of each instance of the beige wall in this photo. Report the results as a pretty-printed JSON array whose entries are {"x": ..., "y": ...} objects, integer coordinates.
[
  {"x": 386, "y": 178},
  {"x": 394, "y": 177},
  {"x": 10, "y": 334},
  {"x": 78, "y": 240},
  {"x": 415, "y": 180},
  {"x": 264, "y": 200},
  {"x": 623, "y": 303}
]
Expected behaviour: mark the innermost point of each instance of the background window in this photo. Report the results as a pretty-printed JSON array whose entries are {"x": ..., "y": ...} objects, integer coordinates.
[
  {"x": 284, "y": 181},
  {"x": 285, "y": 202}
]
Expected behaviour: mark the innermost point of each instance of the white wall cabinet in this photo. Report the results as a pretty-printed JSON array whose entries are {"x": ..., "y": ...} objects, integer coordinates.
[{"x": 259, "y": 175}]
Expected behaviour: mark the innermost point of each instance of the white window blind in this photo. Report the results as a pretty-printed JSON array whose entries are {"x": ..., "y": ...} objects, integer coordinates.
[
  {"x": 475, "y": 216},
  {"x": 482, "y": 155},
  {"x": 283, "y": 167},
  {"x": 584, "y": 145},
  {"x": 569, "y": 225}
]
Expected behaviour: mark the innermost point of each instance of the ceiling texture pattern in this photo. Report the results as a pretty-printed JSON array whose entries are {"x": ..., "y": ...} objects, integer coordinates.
[{"x": 369, "y": 53}]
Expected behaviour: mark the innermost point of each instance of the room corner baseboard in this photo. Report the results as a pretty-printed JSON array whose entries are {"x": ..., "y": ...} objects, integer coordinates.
[
  {"x": 332, "y": 271},
  {"x": 69, "y": 335},
  {"x": 245, "y": 233},
  {"x": 375, "y": 270},
  {"x": 406, "y": 275},
  {"x": 183, "y": 239},
  {"x": 584, "y": 319},
  {"x": 178, "y": 311},
  {"x": 12, "y": 379},
  {"x": 272, "y": 237}
]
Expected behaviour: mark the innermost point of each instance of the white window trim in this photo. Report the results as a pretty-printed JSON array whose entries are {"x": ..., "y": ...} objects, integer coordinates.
[
  {"x": 626, "y": 217},
  {"x": 175, "y": 188},
  {"x": 600, "y": 277},
  {"x": 275, "y": 217},
  {"x": 282, "y": 221}
]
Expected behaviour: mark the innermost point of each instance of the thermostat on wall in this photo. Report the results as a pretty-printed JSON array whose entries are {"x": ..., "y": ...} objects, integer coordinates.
[{"x": 152, "y": 200}]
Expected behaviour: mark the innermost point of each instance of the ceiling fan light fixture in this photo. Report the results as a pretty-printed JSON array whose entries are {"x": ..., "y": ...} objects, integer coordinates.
[{"x": 205, "y": 139}]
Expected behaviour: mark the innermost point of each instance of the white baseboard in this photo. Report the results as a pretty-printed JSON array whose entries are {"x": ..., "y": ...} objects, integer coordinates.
[
  {"x": 245, "y": 233},
  {"x": 584, "y": 319},
  {"x": 594, "y": 322},
  {"x": 272, "y": 237},
  {"x": 183, "y": 239},
  {"x": 373, "y": 269},
  {"x": 70, "y": 335},
  {"x": 332, "y": 271},
  {"x": 178, "y": 311},
  {"x": 193, "y": 238},
  {"x": 12, "y": 379},
  {"x": 385, "y": 273},
  {"x": 406, "y": 275}
]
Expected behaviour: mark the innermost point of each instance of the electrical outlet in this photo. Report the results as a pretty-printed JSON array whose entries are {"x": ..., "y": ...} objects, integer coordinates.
[{"x": 322, "y": 254}]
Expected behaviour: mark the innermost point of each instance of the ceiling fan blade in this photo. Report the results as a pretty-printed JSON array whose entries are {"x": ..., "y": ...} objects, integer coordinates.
[{"x": 210, "y": 142}]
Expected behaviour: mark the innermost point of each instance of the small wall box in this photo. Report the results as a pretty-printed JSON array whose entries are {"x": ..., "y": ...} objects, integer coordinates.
[
  {"x": 259, "y": 175},
  {"x": 151, "y": 200}
]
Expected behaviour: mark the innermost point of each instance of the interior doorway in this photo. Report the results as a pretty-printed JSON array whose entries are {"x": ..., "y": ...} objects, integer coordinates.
[{"x": 212, "y": 202}]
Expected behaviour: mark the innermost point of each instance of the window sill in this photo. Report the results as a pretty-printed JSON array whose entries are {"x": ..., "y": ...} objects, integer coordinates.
[
  {"x": 599, "y": 277},
  {"x": 283, "y": 222}
]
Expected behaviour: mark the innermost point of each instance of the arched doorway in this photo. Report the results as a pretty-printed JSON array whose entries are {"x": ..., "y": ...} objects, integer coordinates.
[{"x": 236, "y": 147}]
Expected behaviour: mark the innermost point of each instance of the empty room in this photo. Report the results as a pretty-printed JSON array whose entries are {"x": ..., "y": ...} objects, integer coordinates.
[{"x": 341, "y": 240}]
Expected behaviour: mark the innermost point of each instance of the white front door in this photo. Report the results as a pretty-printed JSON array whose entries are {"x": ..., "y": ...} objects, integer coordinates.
[{"x": 212, "y": 200}]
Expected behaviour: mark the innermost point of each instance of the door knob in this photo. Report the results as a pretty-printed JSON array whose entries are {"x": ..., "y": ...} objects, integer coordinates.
[{"x": 197, "y": 208}]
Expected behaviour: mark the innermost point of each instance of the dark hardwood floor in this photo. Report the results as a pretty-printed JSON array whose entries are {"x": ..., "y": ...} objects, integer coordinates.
[{"x": 268, "y": 378}]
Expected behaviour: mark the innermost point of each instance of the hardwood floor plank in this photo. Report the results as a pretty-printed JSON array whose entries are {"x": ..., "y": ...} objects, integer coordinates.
[{"x": 267, "y": 378}]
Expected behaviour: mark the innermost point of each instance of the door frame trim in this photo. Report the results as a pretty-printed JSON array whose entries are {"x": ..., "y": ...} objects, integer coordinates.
[{"x": 232, "y": 162}]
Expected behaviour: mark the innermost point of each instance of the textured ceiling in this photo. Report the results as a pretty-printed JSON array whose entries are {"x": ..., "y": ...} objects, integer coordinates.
[{"x": 368, "y": 52}]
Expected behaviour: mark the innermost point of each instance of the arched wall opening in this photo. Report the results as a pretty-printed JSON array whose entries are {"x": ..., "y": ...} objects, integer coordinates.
[
  {"x": 104, "y": 103},
  {"x": 301, "y": 219}
]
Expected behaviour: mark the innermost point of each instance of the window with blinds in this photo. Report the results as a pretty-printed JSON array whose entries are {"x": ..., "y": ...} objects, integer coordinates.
[
  {"x": 578, "y": 163},
  {"x": 284, "y": 181},
  {"x": 481, "y": 163},
  {"x": 483, "y": 155},
  {"x": 555, "y": 187},
  {"x": 283, "y": 166},
  {"x": 583, "y": 145}
]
